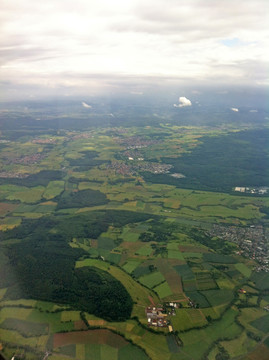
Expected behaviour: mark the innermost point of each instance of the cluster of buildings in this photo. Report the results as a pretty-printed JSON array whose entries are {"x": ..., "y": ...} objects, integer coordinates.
[
  {"x": 121, "y": 168},
  {"x": 130, "y": 169},
  {"x": 29, "y": 159},
  {"x": 251, "y": 190},
  {"x": 136, "y": 142},
  {"x": 156, "y": 316},
  {"x": 44, "y": 141},
  {"x": 11, "y": 174},
  {"x": 155, "y": 168},
  {"x": 251, "y": 240}
]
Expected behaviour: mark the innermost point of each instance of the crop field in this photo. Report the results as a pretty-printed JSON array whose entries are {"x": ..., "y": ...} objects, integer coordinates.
[
  {"x": 30, "y": 196},
  {"x": 218, "y": 297},
  {"x": 25, "y": 328},
  {"x": 205, "y": 281},
  {"x": 9, "y": 223},
  {"x": 6, "y": 208},
  {"x": 182, "y": 321},
  {"x": 260, "y": 353},
  {"x": 97, "y": 344},
  {"x": 89, "y": 337},
  {"x": 163, "y": 290},
  {"x": 15, "y": 312},
  {"x": 141, "y": 270},
  {"x": 185, "y": 272},
  {"x": 70, "y": 316},
  {"x": 261, "y": 280},
  {"x": 131, "y": 265},
  {"x": 246, "y": 271},
  {"x": 144, "y": 251},
  {"x": 53, "y": 189},
  {"x": 174, "y": 281},
  {"x": 261, "y": 323},
  {"x": 249, "y": 315},
  {"x": 152, "y": 280},
  {"x": 106, "y": 243},
  {"x": 198, "y": 298},
  {"x": 218, "y": 258},
  {"x": 175, "y": 254},
  {"x": 129, "y": 235}
]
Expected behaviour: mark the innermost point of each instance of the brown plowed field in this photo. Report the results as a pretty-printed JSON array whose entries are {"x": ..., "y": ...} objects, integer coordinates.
[{"x": 89, "y": 337}]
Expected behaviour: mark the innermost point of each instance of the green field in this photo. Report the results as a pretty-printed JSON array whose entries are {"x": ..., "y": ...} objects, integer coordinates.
[
  {"x": 163, "y": 290},
  {"x": 152, "y": 280},
  {"x": 261, "y": 324},
  {"x": 53, "y": 189},
  {"x": 131, "y": 265},
  {"x": 144, "y": 251},
  {"x": 246, "y": 271},
  {"x": 218, "y": 297}
]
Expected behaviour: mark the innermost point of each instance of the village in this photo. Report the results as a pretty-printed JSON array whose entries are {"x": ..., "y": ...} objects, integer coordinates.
[
  {"x": 251, "y": 239},
  {"x": 135, "y": 142},
  {"x": 132, "y": 167}
]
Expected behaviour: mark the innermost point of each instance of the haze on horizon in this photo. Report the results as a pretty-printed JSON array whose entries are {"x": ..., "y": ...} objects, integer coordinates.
[{"x": 94, "y": 47}]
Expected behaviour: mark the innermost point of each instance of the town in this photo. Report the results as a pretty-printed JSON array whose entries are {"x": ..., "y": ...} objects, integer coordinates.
[{"x": 252, "y": 241}]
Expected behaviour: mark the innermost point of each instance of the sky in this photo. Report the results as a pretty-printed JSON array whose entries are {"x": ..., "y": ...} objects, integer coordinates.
[{"x": 95, "y": 46}]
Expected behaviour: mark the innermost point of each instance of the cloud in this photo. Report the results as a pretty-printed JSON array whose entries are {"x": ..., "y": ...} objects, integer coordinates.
[
  {"x": 86, "y": 105},
  {"x": 136, "y": 92},
  {"x": 253, "y": 111},
  {"x": 183, "y": 101},
  {"x": 194, "y": 41},
  {"x": 234, "y": 109}
]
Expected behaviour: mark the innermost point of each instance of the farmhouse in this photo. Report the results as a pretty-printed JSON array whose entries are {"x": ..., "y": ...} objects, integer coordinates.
[
  {"x": 240, "y": 189},
  {"x": 156, "y": 317}
]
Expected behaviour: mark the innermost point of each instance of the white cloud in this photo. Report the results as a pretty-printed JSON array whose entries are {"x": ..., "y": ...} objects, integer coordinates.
[
  {"x": 253, "y": 111},
  {"x": 183, "y": 101},
  {"x": 86, "y": 105},
  {"x": 234, "y": 109},
  {"x": 179, "y": 40},
  {"x": 137, "y": 93}
]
